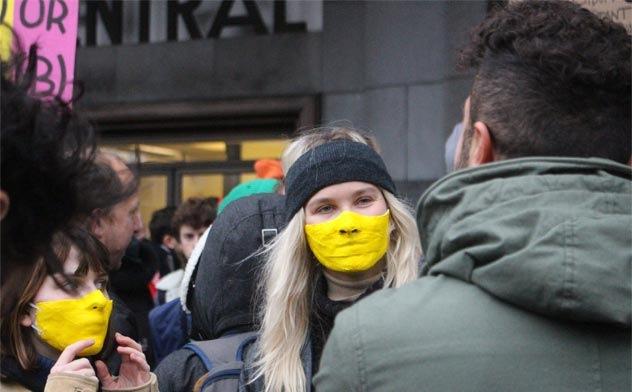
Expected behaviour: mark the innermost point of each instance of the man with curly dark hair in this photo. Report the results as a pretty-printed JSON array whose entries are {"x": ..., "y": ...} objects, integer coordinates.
[
  {"x": 190, "y": 221},
  {"x": 552, "y": 80},
  {"x": 526, "y": 284}
]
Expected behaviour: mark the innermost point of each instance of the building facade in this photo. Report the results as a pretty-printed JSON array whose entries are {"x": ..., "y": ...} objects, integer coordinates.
[{"x": 198, "y": 90}]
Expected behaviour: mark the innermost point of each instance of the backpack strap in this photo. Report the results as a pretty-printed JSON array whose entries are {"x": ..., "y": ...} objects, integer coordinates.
[
  {"x": 208, "y": 365},
  {"x": 269, "y": 227},
  {"x": 267, "y": 235},
  {"x": 239, "y": 355},
  {"x": 222, "y": 350}
]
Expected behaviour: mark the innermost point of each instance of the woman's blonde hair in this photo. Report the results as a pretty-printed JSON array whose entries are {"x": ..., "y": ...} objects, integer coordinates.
[{"x": 290, "y": 274}]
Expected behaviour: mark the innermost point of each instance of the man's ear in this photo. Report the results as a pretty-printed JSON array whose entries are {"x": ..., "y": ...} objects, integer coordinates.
[
  {"x": 482, "y": 147},
  {"x": 4, "y": 204},
  {"x": 169, "y": 241},
  {"x": 97, "y": 224}
]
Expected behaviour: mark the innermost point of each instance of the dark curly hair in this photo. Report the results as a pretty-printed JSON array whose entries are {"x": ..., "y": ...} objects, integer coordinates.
[
  {"x": 45, "y": 147},
  {"x": 160, "y": 224},
  {"x": 195, "y": 212},
  {"x": 553, "y": 79}
]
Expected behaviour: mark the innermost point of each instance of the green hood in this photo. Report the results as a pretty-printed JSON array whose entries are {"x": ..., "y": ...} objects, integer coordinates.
[{"x": 549, "y": 235}]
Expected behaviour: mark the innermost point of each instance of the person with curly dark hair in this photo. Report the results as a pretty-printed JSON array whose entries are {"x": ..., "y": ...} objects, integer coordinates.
[
  {"x": 45, "y": 148},
  {"x": 552, "y": 80},
  {"x": 190, "y": 220},
  {"x": 526, "y": 284}
]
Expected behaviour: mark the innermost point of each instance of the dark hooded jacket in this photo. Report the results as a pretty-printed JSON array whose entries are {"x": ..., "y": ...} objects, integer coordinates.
[
  {"x": 221, "y": 299},
  {"x": 527, "y": 287}
]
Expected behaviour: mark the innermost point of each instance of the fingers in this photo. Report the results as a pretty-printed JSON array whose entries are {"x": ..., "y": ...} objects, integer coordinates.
[
  {"x": 129, "y": 342},
  {"x": 87, "y": 373},
  {"x": 78, "y": 364},
  {"x": 140, "y": 361},
  {"x": 103, "y": 374},
  {"x": 135, "y": 356},
  {"x": 70, "y": 352},
  {"x": 129, "y": 351}
]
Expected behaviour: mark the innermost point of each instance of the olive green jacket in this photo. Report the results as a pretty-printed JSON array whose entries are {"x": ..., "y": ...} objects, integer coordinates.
[{"x": 527, "y": 287}]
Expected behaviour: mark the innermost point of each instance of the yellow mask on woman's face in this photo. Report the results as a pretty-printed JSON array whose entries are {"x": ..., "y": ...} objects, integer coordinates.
[
  {"x": 63, "y": 322},
  {"x": 350, "y": 242}
]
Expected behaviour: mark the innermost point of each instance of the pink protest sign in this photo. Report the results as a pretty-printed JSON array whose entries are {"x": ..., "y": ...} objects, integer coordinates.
[{"x": 52, "y": 25}]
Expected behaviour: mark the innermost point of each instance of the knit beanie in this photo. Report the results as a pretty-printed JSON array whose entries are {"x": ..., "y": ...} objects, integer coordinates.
[
  {"x": 333, "y": 163},
  {"x": 249, "y": 188}
]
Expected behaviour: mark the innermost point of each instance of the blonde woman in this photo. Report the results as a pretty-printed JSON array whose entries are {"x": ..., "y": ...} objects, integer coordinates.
[{"x": 347, "y": 236}]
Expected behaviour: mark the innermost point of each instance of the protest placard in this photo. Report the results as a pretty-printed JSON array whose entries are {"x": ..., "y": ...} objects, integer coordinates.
[{"x": 52, "y": 26}]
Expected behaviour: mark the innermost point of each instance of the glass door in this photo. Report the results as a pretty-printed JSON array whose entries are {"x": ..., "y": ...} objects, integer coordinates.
[{"x": 171, "y": 172}]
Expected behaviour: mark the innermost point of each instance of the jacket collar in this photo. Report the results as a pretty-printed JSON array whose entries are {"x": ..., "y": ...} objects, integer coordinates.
[{"x": 547, "y": 234}]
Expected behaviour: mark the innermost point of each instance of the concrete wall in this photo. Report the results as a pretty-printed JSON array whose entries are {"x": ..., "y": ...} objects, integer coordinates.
[
  {"x": 386, "y": 66},
  {"x": 390, "y": 67}
]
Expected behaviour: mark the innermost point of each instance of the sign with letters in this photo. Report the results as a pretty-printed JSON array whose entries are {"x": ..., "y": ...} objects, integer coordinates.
[
  {"x": 52, "y": 26},
  {"x": 117, "y": 22}
]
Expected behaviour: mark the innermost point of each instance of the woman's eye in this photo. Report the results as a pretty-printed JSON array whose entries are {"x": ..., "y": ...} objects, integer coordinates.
[
  {"x": 69, "y": 285},
  {"x": 324, "y": 209},
  {"x": 101, "y": 284},
  {"x": 364, "y": 201}
]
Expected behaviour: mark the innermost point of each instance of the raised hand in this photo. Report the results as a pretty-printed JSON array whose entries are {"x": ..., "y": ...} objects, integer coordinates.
[
  {"x": 66, "y": 363},
  {"x": 134, "y": 370}
]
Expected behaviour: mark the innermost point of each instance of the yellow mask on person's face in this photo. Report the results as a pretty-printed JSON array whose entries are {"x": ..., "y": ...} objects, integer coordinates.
[
  {"x": 350, "y": 242},
  {"x": 63, "y": 322}
]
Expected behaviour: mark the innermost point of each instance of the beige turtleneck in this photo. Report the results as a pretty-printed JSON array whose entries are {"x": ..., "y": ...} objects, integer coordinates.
[{"x": 348, "y": 287}]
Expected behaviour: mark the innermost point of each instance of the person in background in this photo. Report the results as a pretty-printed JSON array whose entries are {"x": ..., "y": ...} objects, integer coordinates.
[
  {"x": 110, "y": 205},
  {"x": 163, "y": 238},
  {"x": 526, "y": 285},
  {"x": 269, "y": 168},
  {"x": 249, "y": 188},
  {"x": 221, "y": 300},
  {"x": 450, "y": 146},
  {"x": 51, "y": 332},
  {"x": 190, "y": 221},
  {"x": 109, "y": 209},
  {"x": 347, "y": 236},
  {"x": 132, "y": 283},
  {"x": 454, "y": 143}
]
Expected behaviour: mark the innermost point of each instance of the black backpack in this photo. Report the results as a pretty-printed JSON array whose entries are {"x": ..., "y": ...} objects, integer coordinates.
[
  {"x": 220, "y": 295},
  {"x": 224, "y": 283}
]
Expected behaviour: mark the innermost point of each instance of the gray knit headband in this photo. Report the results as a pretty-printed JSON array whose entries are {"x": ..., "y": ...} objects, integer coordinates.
[{"x": 333, "y": 163}]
